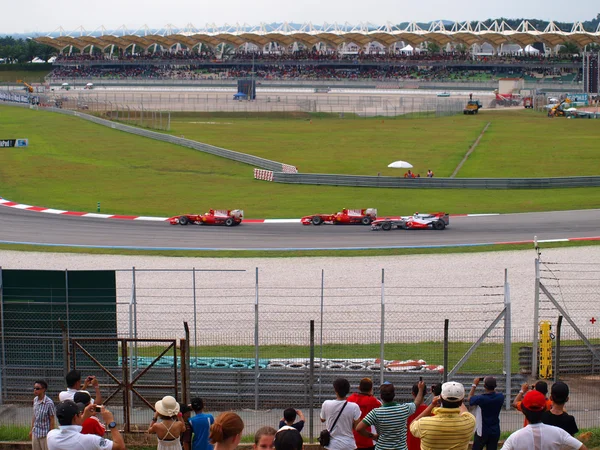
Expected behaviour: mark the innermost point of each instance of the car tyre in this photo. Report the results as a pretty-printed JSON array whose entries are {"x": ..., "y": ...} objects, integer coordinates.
[
  {"x": 183, "y": 220},
  {"x": 317, "y": 220},
  {"x": 386, "y": 226},
  {"x": 439, "y": 225},
  {"x": 229, "y": 222},
  {"x": 366, "y": 220}
]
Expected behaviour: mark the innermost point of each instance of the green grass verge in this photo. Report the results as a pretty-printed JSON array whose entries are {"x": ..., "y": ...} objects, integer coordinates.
[
  {"x": 29, "y": 76},
  {"x": 73, "y": 164},
  {"x": 18, "y": 433},
  {"x": 290, "y": 254}
]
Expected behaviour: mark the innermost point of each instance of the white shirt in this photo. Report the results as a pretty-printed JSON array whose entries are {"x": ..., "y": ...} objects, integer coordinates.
[
  {"x": 342, "y": 437},
  {"x": 69, "y": 437},
  {"x": 69, "y": 394},
  {"x": 545, "y": 436}
]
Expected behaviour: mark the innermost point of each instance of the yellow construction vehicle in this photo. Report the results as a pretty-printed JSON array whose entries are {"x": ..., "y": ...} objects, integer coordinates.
[
  {"x": 558, "y": 110},
  {"x": 472, "y": 107},
  {"x": 28, "y": 87}
]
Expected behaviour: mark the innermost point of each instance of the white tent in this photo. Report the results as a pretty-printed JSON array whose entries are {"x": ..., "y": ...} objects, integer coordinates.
[
  {"x": 37, "y": 60},
  {"x": 407, "y": 49},
  {"x": 529, "y": 49}
]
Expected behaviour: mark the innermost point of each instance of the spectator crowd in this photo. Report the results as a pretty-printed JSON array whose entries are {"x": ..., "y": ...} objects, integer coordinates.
[{"x": 352, "y": 421}]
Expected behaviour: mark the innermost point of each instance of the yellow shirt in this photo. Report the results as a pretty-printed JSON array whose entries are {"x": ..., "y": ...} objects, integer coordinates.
[{"x": 447, "y": 429}]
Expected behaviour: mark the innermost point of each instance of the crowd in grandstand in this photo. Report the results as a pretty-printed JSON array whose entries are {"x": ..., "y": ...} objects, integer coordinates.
[{"x": 308, "y": 72}]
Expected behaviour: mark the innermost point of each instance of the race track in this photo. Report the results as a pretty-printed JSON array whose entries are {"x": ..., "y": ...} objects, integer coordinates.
[{"x": 20, "y": 226}]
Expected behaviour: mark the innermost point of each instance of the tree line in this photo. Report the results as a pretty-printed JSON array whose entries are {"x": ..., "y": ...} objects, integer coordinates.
[{"x": 23, "y": 50}]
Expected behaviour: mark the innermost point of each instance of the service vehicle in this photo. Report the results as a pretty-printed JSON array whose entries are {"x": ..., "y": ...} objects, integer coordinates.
[
  {"x": 472, "y": 107},
  {"x": 344, "y": 217},
  {"x": 434, "y": 221},
  {"x": 227, "y": 217}
]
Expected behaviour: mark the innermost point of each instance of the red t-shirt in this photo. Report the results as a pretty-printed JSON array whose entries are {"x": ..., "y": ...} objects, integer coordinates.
[
  {"x": 366, "y": 403},
  {"x": 92, "y": 425},
  {"x": 413, "y": 443}
]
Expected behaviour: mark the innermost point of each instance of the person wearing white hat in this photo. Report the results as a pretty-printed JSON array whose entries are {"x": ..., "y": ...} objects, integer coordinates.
[
  {"x": 450, "y": 426},
  {"x": 171, "y": 425}
]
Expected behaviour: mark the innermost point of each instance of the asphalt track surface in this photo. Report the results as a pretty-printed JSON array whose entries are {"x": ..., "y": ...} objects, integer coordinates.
[{"x": 29, "y": 227}]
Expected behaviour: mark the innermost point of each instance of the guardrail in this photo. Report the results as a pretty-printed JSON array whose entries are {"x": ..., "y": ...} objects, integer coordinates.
[{"x": 435, "y": 183}]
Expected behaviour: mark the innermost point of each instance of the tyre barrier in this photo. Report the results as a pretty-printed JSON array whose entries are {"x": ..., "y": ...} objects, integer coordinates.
[
  {"x": 220, "y": 365},
  {"x": 374, "y": 367},
  {"x": 296, "y": 366},
  {"x": 335, "y": 366},
  {"x": 276, "y": 365},
  {"x": 355, "y": 367},
  {"x": 238, "y": 365}
]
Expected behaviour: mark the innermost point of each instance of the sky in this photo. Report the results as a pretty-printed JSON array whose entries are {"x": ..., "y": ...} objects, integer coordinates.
[{"x": 42, "y": 17}]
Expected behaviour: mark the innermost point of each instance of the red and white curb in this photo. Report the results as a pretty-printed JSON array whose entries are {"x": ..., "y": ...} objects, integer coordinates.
[{"x": 41, "y": 209}]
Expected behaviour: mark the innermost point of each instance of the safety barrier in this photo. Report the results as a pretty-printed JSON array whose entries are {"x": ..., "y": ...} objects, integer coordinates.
[{"x": 435, "y": 183}]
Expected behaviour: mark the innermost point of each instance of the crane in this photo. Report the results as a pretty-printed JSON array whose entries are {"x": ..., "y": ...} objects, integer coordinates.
[{"x": 28, "y": 87}]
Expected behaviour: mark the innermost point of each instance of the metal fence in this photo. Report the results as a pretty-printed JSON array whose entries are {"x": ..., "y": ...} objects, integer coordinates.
[{"x": 251, "y": 343}]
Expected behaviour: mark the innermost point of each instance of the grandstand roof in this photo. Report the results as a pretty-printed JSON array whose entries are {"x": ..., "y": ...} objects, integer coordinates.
[{"x": 496, "y": 33}]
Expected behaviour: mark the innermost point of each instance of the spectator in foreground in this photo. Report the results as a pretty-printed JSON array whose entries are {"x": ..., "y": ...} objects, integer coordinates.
[
  {"x": 264, "y": 438},
  {"x": 200, "y": 424},
  {"x": 366, "y": 402},
  {"x": 390, "y": 419},
  {"x": 413, "y": 443},
  {"x": 186, "y": 436},
  {"x": 289, "y": 419},
  {"x": 288, "y": 438},
  {"x": 540, "y": 386},
  {"x": 43, "y": 416},
  {"x": 171, "y": 425},
  {"x": 91, "y": 425},
  {"x": 489, "y": 404},
  {"x": 73, "y": 379},
  {"x": 537, "y": 434},
  {"x": 556, "y": 416},
  {"x": 451, "y": 426},
  {"x": 226, "y": 432},
  {"x": 347, "y": 415},
  {"x": 70, "y": 416}
]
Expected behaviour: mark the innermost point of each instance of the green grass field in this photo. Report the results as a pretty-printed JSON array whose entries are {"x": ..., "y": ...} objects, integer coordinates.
[
  {"x": 29, "y": 76},
  {"x": 73, "y": 164}
]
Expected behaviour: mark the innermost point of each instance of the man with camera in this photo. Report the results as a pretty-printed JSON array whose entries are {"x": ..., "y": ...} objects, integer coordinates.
[
  {"x": 91, "y": 425},
  {"x": 487, "y": 413},
  {"x": 73, "y": 380},
  {"x": 68, "y": 436}
]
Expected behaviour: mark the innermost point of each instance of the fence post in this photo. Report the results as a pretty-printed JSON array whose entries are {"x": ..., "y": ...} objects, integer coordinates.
[
  {"x": 446, "y": 323},
  {"x": 536, "y": 307},
  {"x": 185, "y": 365},
  {"x": 311, "y": 381},
  {"x": 256, "y": 368},
  {"x": 321, "y": 337},
  {"x": 126, "y": 386},
  {"x": 382, "y": 332},
  {"x": 507, "y": 341},
  {"x": 3, "y": 368},
  {"x": 65, "y": 344},
  {"x": 195, "y": 314},
  {"x": 67, "y": 302},
  {"x": 557, "y": 354}
]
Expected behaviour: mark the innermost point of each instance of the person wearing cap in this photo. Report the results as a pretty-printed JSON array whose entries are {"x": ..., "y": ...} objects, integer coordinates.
[
  {"x": 91, "y": 425},
  {"x": 390, "y": 419},
  {"x": 556, "y": 416},
  {"x": 68, "y": 436},
  {"x": 450, "y": 426},
  {"x": 200, "y": 424},
  {"x": 487, "y": 413},
  {"x": 43, "y": 416},
  {"x": 540, "y": 386},
  {"x": 171, "y": 427},
  {"x": 537, "y": 435},
  {"x": 366, "y": 402}
]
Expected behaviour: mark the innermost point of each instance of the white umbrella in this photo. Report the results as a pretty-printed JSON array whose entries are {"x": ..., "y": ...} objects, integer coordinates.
[
  {"x": 90, "y": 84},
  {"x": 65, "y": 84},
  {"x": 400, "y": 165}
]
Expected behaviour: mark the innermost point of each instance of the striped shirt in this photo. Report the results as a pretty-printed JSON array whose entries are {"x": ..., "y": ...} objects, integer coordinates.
[
  {"x": 390, "y": 423},
  {"x": 447, "y": 429},
  {"x": 42, "y": 411}
]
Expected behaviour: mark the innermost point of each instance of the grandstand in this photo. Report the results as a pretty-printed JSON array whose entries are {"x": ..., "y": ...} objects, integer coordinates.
[{"x": 330, "y": 52}]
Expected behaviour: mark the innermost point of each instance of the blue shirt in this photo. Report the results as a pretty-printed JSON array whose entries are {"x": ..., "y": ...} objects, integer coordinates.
[
  {"x": 491, "y": 404},
  {"x": 200, "y": 424}
]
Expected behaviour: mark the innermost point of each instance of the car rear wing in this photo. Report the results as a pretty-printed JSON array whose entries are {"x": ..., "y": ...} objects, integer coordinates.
[{"x": 237, "y": 213}]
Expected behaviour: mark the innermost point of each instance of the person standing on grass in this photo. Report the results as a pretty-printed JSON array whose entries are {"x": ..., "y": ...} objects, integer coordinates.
[
  {"x": 487, "y": 429},
  {"x": 200, "y": 424},
  {"x": 43, "y": 416},
  {"x": 366, "y": 402}
]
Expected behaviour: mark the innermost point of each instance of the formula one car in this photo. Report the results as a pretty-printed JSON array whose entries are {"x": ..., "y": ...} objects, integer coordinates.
[
  {"x": 213, "y": 217},
  {"x": 435, "y": 221},
  {"x": 346, "y": 216}
]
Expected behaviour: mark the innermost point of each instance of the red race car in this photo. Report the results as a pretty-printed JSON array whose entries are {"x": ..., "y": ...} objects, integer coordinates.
[
  {"x": 347, "y": 216},
  {"x": 225, "y": 217},
  {"x": 435, "y": 221}
]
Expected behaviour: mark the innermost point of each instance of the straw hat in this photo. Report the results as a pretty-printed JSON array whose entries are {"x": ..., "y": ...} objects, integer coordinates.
[{"x": 168, "y": 406}]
